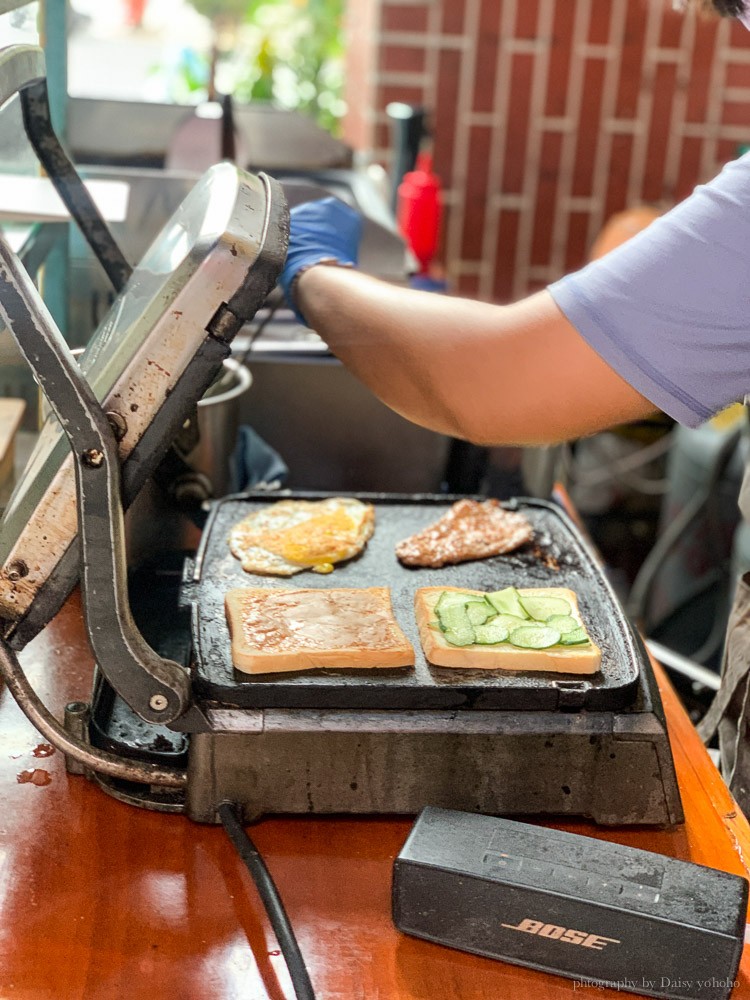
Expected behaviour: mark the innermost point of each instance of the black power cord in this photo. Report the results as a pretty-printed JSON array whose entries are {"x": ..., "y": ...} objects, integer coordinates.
[{"x": 268, "y": 893}]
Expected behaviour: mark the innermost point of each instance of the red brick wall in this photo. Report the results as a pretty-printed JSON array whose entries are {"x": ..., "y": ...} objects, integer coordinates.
[{"x": 547, "y": 118}]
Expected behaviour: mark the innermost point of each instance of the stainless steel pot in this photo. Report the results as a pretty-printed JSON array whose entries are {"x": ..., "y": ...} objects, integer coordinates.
[{"x": 218, "y": 423}]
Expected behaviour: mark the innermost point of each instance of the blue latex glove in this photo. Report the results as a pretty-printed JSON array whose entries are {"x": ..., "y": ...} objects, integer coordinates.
[{"x": 325, "y": 231}]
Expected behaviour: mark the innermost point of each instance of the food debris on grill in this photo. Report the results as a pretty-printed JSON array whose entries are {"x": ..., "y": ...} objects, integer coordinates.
[
  {"x": 471, "y": 529},
  {"x": 547, "y": 559}
]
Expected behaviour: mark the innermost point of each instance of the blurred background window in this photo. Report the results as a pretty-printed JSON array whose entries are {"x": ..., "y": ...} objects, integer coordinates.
[{"x": 285, "y": 52}]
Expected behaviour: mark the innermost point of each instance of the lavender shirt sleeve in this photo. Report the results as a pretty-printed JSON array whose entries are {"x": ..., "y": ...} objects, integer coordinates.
[{"x": 670, "y": 309}]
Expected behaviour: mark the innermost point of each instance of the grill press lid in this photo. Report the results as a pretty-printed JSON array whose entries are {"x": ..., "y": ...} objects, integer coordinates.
[{"x": 154, "y": 355}]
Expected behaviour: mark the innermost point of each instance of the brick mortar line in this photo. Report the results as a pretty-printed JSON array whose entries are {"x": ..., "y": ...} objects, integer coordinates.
[
  {"x": 674, "y": 151},
  {"x": 460, "y": 165},
  {"x": 540, "y": 78},
  {"x": 603, "y": 154},
  {"x": 496, "y": 168},
  {"x": 561, "y": 221},
  {"x": 713, "y": 118},
  {"x": 644, "y": 110}
]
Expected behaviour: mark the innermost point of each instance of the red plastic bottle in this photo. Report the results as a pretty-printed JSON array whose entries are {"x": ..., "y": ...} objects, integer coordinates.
[{"x": 419, "y": 211}]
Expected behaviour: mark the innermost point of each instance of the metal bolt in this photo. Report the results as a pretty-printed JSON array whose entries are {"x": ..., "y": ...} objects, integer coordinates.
[
  {"x": 93, "y": 458},
  {"x": 76, "y": 723},
  {"x": 76, "y": 709},
  {"x": 118, "y": 425},
  {"x": 158, "y": 703},
  {"x": 17, "y": 570}
]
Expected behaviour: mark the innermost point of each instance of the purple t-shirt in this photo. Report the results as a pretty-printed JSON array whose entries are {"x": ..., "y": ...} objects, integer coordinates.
[{"x": 669, "y": 309}]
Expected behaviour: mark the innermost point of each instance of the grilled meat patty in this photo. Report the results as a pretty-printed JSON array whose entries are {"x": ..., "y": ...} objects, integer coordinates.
[{"x": 471, "y": 529}]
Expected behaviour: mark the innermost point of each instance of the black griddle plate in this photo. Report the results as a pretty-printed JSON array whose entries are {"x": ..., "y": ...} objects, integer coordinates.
[{"x": 558, "y": 557}]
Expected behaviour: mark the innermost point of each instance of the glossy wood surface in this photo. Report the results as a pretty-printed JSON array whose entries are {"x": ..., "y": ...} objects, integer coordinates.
[{"x": 99, "y": 900}]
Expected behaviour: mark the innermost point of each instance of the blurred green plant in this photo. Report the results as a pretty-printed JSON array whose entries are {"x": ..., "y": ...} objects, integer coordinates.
[
  {"x": 289, "y": 52},
  {"x": 220, "y": 10}
]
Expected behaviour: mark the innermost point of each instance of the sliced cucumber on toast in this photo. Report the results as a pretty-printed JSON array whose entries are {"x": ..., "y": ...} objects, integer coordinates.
[{"x": 525, "y": 621}]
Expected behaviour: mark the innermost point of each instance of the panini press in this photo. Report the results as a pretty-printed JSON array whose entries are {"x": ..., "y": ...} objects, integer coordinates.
[{"x": 171, "y": 725}]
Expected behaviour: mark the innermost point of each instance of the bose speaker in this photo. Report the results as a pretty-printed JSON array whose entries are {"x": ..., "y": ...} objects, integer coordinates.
[{"x": 587, "y": 909}]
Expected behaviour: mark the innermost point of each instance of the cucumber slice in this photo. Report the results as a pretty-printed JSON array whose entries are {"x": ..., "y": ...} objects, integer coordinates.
[
  {"x": 508, "y": 602},
  {"x": 490, "y": 634},
  {"x": 454, "y": 616},
  {"x": 456, "y": 626},
  {"x": 543, "y": 608},
  {"x": 453, "y": 598},
  {"x": 563, "y": 623},
  {"x": 479, "y": 611},
  {"x": 509, "y": 621},
  {"x": 458, "y": 637},
  {"x": 534, "y": 637},
  {"x": 576, "y": 638}
]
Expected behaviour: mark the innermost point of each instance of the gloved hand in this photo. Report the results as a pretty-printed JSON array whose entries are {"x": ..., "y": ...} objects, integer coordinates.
[{"x": 325, "y": 231}]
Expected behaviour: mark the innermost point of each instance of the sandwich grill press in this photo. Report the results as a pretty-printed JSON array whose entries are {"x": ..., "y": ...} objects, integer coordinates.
[{"x": 171, "y": 725}]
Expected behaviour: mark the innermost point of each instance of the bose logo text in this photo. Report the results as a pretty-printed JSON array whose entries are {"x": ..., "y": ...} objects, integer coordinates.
[{"x": 565, "y": 934}]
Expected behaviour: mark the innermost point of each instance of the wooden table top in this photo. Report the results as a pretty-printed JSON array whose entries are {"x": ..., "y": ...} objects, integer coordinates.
[{"x": 100, "y": 900}]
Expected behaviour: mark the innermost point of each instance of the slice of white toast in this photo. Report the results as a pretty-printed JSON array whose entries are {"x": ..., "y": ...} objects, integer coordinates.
[
  {"x": 276, "y": 630},
  {"x": 584, "y": 659}
]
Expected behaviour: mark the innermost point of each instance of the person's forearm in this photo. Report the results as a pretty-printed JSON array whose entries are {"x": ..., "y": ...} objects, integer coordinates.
[{"x": 490, "y": 374}]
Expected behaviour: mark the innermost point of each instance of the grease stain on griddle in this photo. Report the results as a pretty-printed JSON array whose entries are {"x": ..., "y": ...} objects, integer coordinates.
[
  {"x": 546, "y": 558},
  {"x": 38, "y": 776}
]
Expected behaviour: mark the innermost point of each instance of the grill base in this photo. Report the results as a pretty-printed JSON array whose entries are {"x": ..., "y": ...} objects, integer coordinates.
[{"x": 613, "y": 768}]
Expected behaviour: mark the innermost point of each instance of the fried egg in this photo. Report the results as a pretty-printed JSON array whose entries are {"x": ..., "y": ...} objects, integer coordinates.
[{"x": 294, "y": 535}]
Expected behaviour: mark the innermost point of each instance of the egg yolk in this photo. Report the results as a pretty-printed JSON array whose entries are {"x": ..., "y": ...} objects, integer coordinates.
[{"x": 325, "y": 538}]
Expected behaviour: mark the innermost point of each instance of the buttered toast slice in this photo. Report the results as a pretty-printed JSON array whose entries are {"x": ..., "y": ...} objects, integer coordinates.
[
  {"x": 275, "y": 630},
  {"x": 535, "y": 628}
]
